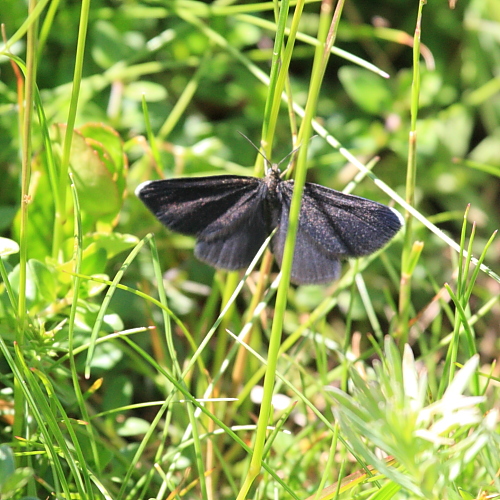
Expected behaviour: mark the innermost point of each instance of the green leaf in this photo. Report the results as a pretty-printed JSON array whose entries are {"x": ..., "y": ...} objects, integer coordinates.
[
  {"x": 41, "y": 284},
  {"x": 43, "y": 278},
  {"x": 7, "y": 466},
  {"x": 99, "y": 172},
  {"x": 455, "y": 129},
  {"x": 487, "y": 150},
  {"x": 40, "y": 223},
  {"x": 109, "y": 45},
  {"x": 97, "y": 192},
  {"x": 16, "y": 481},
  {"x": 113, "y": 146},
  {"x": 106, "y": 357},
  {"x": 113, "y": 243},
  {"x": 8, "y": 247},
  {"x": 152, "y": 92},
  {"x": 369, "y": 91},
  {"x": 119, "y": 392},
  {"x": 133, "y": 426}
]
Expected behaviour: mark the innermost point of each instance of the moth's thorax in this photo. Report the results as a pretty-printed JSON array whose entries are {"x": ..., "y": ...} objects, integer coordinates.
[
  {"x": 272, "y": 200},
  {"x": 272, "y": 179}
]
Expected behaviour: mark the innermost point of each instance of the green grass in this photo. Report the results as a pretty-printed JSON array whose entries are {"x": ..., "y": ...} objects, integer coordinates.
[{"x": 130, "y": 370}]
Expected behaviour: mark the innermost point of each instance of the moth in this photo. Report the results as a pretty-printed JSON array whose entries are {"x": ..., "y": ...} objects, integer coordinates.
[{"x": 230, "y": 216}]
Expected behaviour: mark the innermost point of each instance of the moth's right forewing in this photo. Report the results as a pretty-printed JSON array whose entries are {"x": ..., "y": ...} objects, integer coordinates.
[
  {"x": 194, "y": 205},
  {"x": 344, "y": 225}
]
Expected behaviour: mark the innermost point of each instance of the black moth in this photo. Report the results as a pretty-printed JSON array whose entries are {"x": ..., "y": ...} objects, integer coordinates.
[{"x": 231, "y": 216}]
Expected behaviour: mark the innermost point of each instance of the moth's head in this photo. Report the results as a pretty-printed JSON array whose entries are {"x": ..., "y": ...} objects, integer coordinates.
[{"x": 273, "y": 169}]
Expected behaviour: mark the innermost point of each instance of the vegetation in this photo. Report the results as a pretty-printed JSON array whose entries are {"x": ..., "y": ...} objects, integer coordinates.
[{"x": 130, "y": 370}]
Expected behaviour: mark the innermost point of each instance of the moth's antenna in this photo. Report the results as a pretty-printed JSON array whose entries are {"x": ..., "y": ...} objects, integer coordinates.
[
  {"x": 268, "y": 163},
  {"x": 289, "y": 154}
]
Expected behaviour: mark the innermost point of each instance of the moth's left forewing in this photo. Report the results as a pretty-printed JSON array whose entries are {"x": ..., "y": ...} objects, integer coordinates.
[
  {"x": 232, "y": 241},
  {"x": 226, "y": 213},
  {"x": 196, "y": 205}
]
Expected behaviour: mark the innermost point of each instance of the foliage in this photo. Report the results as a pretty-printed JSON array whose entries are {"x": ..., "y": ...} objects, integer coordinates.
[{"x": 131, "y": 370}]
